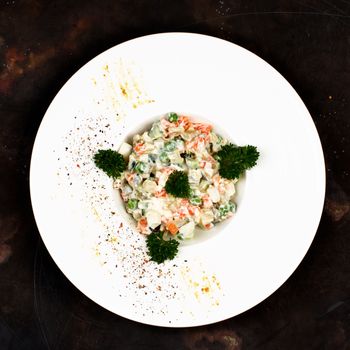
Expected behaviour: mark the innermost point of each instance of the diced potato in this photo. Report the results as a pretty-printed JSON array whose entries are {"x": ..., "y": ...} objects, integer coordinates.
[
  {"x": 143, "y": 158},
  {"x": 192, "y": 163},
  {"x": 153, "y": 218},
  {"x": 207, "y": 217},
  {"x": 194, "y": 176},
  {"x": 187, "y": 230},
  {"x": 143, "y": 204},
  {"x": 204, "y": 184},
  {"x": 146, "y": 137},
  {"x": 162, "y": 178},
  {"x": 213, "y": 194},
  {"x": 148, "y": 147},
  {"x": 137, "y": 214},
  {"x": 167, "y": 214},
  {"x": 156, "y": 204},
  {"x": 126, "y": 189},
  {"x": 149, "y": 186},
  {"x": 125, "y": 149},
  {"x": 208, "y": 170},
  {"x": 158, "y": 144},
  {"x": 230, "y": 189},
  {"x": 174, "y": 157}
]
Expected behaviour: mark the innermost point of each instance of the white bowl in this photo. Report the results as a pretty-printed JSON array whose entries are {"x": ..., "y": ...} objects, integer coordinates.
[{"x": 200, "y": 234}]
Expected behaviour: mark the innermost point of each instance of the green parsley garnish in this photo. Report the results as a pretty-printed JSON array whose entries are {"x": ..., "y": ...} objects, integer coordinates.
[
  {"x": 159, "y": 249},
  {"x": 178, "y": 185},
  {"x": 235, "y": 160},
  {"x": 111, "y": 162}
]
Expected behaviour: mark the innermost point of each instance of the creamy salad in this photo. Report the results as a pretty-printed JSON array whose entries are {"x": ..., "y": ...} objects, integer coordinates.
[{"x": 175, "y": 143}]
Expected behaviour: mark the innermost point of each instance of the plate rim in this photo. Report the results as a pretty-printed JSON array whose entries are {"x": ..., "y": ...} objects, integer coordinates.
[{"x": 178, "y": 34}]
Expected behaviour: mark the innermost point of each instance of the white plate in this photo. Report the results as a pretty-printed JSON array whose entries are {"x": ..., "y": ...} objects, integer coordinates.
[{"x": 118, "y": 93}]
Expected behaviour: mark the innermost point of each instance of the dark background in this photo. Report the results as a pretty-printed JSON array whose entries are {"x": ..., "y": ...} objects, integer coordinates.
[{"x": 42, "y": 43}]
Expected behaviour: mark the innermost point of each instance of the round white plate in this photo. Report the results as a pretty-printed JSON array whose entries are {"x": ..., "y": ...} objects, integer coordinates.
[{"x": 120, "y": 92}]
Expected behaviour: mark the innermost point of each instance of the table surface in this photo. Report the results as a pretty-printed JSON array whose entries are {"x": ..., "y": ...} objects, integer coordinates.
[{"x": 42, "y": 43}]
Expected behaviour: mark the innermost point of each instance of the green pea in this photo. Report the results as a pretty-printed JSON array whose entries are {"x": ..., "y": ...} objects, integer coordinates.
[
  {"x": 196, "y": 200},
  {"x": 140, "y": 167},
  {"x": 173, "y": 117},
  {"x": 132, "y": 204},
  {"x": 170, "y": 146},
  {"x": 225, "y": 209},
  {"x": 164, "y": 157}
]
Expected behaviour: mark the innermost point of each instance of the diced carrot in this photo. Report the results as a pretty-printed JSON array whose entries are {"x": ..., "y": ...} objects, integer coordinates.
[
  {"x": 193, "y": 144},
  {"x": 184, "y": 202},
  {"x": 183, "y": 212},
  {"x": 207, "y": 203},
  {"x": 161, "y": 193},
  {"x": 166, "y": 171},
  {"x": 139, "y": 148},
  {"x": 129, "y": 177},
  {"x": 197, "y": 142},
  {"x": 142, "y": 226},
  {"x": 204, "y": 128},
  {"x": 184, "y": 122},
  {"x": 191, "y": 210},
  {"x": 143, "y": 222},
  {"x": 172, "y": 228},
  {"x": 204, "y": 138}
]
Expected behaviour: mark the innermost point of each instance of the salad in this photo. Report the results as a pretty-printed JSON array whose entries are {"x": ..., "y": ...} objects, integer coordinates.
[
  {"x": 177, "y": 176},
  {"x": 171, "y": 146}
]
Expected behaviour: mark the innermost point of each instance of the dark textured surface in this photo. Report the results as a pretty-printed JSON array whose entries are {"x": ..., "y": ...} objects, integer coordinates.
[{"x": 43, "y": 42}]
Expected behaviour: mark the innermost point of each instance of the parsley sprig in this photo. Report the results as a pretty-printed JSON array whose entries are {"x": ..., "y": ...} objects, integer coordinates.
[
  {"x": 160, "y": 249},
  {"x": 178, "y": 185},
  {"x": 235, "y": 160},
  {"x": 111, "y": 162}
]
